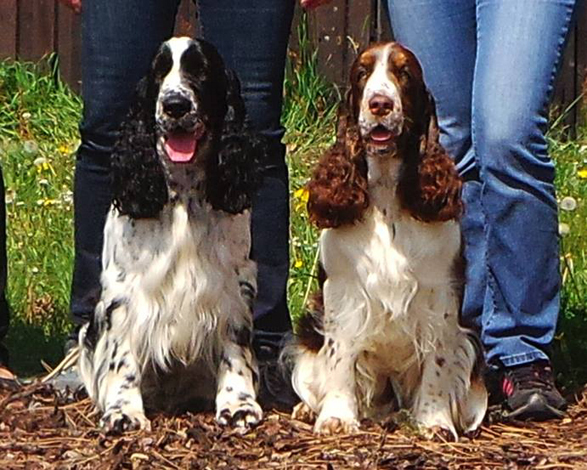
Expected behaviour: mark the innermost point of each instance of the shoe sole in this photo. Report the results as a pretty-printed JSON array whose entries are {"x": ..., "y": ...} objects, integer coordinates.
[{"x": 537, "y": 409}]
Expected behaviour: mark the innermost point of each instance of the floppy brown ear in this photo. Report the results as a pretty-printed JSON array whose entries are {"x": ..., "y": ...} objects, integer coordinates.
[
  {"x": 338, "y": 188},
  {"x": 430, "y": 187}
]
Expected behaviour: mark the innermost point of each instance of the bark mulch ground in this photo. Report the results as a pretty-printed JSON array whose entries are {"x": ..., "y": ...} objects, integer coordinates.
[{"x": 41, "y": 429}]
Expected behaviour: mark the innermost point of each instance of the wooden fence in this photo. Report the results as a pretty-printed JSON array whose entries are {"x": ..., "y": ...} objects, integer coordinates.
[{"x": 31, "y": 28}]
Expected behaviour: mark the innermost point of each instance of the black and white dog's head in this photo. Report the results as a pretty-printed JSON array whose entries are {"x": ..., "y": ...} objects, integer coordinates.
[{"x": 185, "y": 132}]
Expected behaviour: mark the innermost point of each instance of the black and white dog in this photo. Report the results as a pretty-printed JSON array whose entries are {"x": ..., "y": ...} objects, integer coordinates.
[{"x": 173, "y": 324}]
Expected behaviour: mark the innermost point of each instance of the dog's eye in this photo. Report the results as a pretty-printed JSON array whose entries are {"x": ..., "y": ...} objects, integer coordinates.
[
  {"x": 404, "y": 74},
  {"x": 162, "y": 64},
  {"x": 361, "y": 75}
]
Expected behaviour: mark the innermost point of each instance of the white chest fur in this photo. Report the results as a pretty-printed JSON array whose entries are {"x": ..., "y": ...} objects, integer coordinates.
[
  {"x": 390, "y": 277},
  {"x": 179, "y": 274}
]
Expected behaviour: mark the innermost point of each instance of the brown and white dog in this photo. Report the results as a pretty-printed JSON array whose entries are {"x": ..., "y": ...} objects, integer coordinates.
[{"x": 386, "y": 323}]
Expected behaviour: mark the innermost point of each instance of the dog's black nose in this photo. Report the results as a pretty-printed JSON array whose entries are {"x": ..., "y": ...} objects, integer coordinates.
[{"x": 176, "y": 106}]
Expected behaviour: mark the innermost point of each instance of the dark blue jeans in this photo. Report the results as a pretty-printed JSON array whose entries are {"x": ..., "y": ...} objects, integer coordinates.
[
  {"x": 119, "y": 40},
  {"x": 491, "y": 65}
]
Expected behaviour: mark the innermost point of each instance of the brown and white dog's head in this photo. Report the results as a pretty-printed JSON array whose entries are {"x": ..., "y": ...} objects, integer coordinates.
[
  {"x": 388, "y": 98},
  {"x": 388, "y": 113}
]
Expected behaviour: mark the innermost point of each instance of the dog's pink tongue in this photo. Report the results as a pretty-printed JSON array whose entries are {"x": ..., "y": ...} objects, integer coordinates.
[
  {"x": 181, "y": 147},
  {"x": 381, "y": 135}
]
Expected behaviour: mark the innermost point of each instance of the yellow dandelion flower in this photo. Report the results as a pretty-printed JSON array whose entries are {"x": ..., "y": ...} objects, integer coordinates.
[
  {"x": 63, "y": 149},
  {"x": 298, "y": 263},
  {"x": 303, "y": 194},
  {"x": 582, "y": 173}
]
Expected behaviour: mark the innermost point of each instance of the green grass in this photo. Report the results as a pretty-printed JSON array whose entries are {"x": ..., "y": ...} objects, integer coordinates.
[
  {"x": 309, "y": 115},
  {"x": 570, "y": 345},
  {"x": 38, "y": 137}
]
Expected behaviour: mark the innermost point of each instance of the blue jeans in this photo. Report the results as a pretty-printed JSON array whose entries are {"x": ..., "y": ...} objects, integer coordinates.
[
  {"x": 119, "y": 40},
  {"x": 491, "y": 65}
]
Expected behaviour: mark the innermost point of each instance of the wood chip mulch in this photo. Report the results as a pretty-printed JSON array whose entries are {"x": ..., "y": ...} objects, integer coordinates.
[{"x": 40, "y": 428}]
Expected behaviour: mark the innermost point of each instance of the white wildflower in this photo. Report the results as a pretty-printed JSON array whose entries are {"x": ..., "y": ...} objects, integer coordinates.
[
  {"x": 40, "y": 161},
  {"x": 67, "y": 197},
  {"x": 563, "y": 229},
  {"x": 568, "y": 203},
  {"x": 31, "y": 147}
]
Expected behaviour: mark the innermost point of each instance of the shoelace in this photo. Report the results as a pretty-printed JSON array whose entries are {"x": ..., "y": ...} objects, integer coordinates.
[{"x": 529, "y": 377}]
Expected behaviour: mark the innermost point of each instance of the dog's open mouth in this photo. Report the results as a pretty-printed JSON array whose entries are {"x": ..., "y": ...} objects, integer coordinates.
[
  {"x": 381, "y": 135},
  {"x": 182, "y": 146}
]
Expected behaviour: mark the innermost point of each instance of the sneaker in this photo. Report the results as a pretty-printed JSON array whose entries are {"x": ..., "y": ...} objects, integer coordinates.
[
  {"x": 275, "y": 389},
  {"x": 8, "y": 380},
  {"x": 530, "y": 392},
  {"x": 68, "y": 379}
]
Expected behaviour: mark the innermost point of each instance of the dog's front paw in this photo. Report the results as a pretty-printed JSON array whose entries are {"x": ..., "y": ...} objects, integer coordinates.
[
  {"x": 331, "y": 425},
  {"x": 118, "y": 421},
  {"x": 304, "y": 413},
  {"x": 438, "y": 433},
  {"x": 436, "y": 426},
  {"x": 242, "y": 414}
]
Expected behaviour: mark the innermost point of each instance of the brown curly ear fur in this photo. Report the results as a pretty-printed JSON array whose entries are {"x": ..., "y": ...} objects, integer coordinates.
[
  {"x": 430, "y": 187},
  {"x": 338, "y": 189}
]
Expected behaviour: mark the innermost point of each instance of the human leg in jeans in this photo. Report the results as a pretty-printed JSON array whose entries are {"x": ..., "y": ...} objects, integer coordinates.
[
  {"x": 518, "y": 46},
  {"x": 252, "y": 37},
  {"x": 119, "y": 41}
]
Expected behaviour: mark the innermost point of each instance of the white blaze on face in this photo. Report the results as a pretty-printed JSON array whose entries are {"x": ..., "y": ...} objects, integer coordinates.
[
  {"x": 180, "y": 147},
  {"x": 380, "y": 83},
  {"x": 173, "y": 80}
]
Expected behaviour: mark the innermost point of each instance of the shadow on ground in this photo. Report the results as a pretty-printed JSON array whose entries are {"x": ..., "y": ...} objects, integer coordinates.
[{"x": 29, "y": 345}]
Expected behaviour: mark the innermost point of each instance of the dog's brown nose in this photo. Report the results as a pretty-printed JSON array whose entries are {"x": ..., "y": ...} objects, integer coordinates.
[{"x": 380, "y": 105}]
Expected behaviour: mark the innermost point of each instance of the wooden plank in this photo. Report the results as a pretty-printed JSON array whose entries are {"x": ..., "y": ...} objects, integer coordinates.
[
  {"x": 382, "y": 24},
  {"x": 36, "y": 29},
  {"x": 565, "y": 87},
  {"x": 68, "y": 46},
  {"x": 581, "y": 62},
  {"x": 360, "y": 14},
  {"x": 185, "y": 21},
  {"x": 329, "y": 25},
  {"x": 294, "y": 43},
  {"x": 8, "y": 17}
]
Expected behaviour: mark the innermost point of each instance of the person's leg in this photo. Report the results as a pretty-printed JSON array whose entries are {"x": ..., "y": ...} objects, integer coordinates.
[
  {"x": 443, "y": 37},
  {"x": 118, "y": 41},
  {"x": 520, "y": 45},
  {"x": 252, "y": 37}
]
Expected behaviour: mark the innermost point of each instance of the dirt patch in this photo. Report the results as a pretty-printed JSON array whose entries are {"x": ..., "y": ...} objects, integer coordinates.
[{"x": 42, "y": 429}]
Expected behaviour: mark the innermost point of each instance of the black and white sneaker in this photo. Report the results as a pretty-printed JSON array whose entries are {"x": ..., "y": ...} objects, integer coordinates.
[{"x": 530, "y": 393}]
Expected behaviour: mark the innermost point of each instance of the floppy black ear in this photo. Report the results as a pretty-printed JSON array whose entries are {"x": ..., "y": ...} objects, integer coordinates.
[
  {"x": 235, "y": 113},
  {"x": 138, "y": 182},
  {"x": 234, "y": 173}
]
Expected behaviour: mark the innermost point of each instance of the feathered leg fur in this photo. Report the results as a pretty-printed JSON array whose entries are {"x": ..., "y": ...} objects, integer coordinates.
[{"x": 110, "y": 371}]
